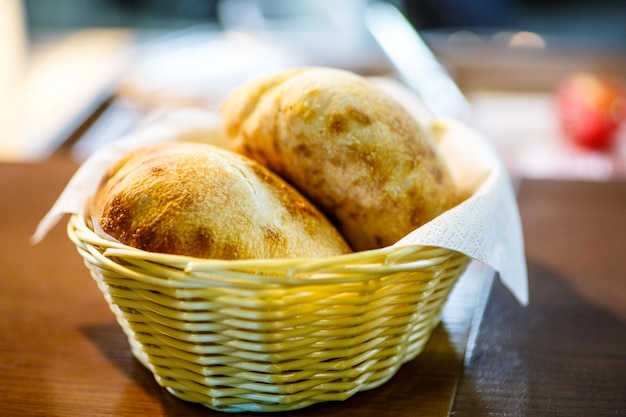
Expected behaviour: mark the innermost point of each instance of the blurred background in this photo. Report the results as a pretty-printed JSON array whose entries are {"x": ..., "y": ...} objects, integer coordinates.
[{"x": 80, "y": 73}]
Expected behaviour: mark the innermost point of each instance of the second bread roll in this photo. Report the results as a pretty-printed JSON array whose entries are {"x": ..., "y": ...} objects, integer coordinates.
[
  {"x": 198, "y": 200},
  {"x": 351, "y": 149}
]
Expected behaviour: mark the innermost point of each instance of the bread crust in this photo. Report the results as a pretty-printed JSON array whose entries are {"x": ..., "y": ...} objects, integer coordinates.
[
  {"x": 202, "y": 201},
  {"x": 355, "y": 152}
]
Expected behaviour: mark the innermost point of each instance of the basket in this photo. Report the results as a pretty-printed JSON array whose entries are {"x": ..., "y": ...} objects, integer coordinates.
[{"x": 271, "y": 335}]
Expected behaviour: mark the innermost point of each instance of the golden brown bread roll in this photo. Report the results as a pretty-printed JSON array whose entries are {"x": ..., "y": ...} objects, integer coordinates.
[
  {"x": 198, "y": 200},
  {"x": 355, "y": 152}
]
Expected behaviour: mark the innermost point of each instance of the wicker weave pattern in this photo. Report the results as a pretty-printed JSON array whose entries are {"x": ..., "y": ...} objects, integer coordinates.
[{"x": 271, "y": 335}]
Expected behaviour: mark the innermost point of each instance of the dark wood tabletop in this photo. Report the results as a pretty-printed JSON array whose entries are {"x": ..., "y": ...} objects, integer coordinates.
[
  {"x": 564, "y": 354},
  {"x": 63, "y": 354}
]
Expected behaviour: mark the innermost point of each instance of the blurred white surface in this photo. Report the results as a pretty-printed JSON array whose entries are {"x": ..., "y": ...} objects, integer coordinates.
[
  {"x": 63, "y": 81},
  {"x": 13, "y": 51},
  {"x": 523, "y": 126},
  {"x": 415, "y": 63},
  {"x": 326, "y": 32}
]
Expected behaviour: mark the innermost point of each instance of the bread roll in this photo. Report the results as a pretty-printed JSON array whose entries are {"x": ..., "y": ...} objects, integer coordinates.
[
  {"x": 356, "y": 153},
  {"x": 198, "y": 200}
]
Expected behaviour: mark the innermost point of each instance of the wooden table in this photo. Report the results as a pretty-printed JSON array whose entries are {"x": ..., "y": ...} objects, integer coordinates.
[
  {"x": 63, "y": 354},
  {"x": 564, "y": 354}
]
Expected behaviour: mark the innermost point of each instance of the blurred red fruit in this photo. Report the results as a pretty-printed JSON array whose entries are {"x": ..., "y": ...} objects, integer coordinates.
[{"x": 591, "y": 108}]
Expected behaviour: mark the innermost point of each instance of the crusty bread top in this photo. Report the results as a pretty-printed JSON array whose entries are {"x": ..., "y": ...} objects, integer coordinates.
[
  {"x": 354, "y": 151},
  {"x": 198, "y": 200}
]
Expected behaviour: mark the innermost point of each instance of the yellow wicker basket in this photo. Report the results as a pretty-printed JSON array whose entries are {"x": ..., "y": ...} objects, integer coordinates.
[{"x": 271, "y": 335}]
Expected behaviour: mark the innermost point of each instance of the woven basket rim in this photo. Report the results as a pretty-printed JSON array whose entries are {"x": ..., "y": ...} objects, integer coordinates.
[{"x": 354, "y": 267}]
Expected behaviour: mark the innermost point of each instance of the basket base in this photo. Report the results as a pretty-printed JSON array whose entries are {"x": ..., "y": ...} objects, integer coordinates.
[{"x": 194, "y": 396}]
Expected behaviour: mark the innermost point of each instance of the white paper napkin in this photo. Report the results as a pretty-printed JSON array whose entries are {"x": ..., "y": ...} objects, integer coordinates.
[
  {"x": 183, "y": 124},
  {"x": 485, "y": 227}
]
